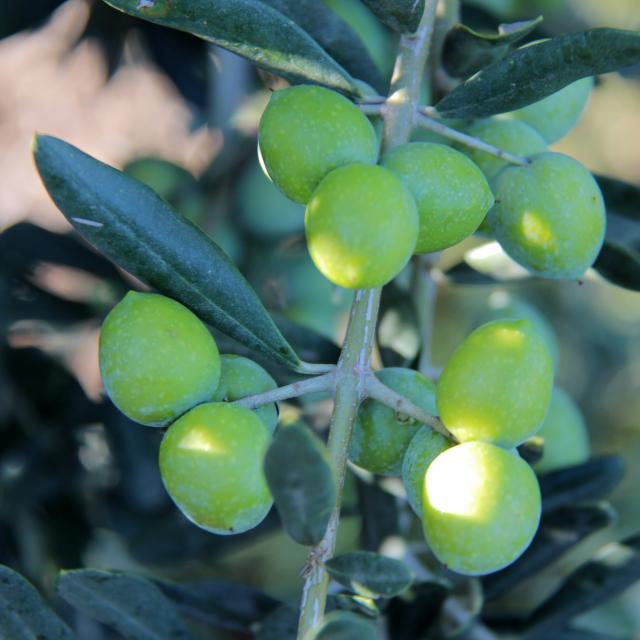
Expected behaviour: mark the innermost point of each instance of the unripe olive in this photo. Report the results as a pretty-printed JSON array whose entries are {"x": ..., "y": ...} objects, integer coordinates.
[
  {"x": 450, "y": 191},
  {"x": 549, "y": 216},
  {"x": 381, "y": 435},
  {"x": 514, "y": 136},
  {"x": 497, "y": 385},
  {"x": 241, "y": 377},
  {"x": 481, "y": 507},
  {"x": 306, "y": 131},
  {"x": 555, "y": 115},
  {"x": 425, "y": 446},
  {"x": 564, "y": 433},
  {"x": 211, "y": 465},
  {"x": 157, "y": 359},
  {"x": 361, "y": 225}
]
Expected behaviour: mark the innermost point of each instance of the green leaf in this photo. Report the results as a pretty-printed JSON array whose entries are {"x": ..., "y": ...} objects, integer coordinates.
[
  {"x": 616, "y": 569},
  {"x": 130, "y": 604},
  {"x": 619, "y": 265},
  {"x": 131, "y": 225},
  {"x": 467, "y": 51},
  {"x": 559, "y": 531},
  {"x": 23, "y": 613},
  {"x": 402, "y": 16},
  {"x": 343, "y": 625},
  {"x": 251, "y": 29},
  {"x": 370, "y": 574},
  {"x": 621, "y": 198},
  {"x": 334, "y": 35},
  {"x": 366, "y": 607},
  {"x": 540, "y": 69},
  {"x": 582, "y": 483},
  {"x": 301, "y": 477}
]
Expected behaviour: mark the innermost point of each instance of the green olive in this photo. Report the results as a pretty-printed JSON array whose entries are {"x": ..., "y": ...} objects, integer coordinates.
[
  {"x": 481, "y": 507},
  {"x": 211, "y": 465},
  {"x": 497, "y": 385},
  {"x": 451, "y": 193},
  {"x": 361, "y": 225},
  {"x": 381, "y": 435},
  {"x": 157, "y": 359},
  {"x": 241, "y": 377},
  {"x": 307, "y": 131}
]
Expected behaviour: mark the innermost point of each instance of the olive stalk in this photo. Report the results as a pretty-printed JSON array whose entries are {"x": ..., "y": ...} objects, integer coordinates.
[{"x": 354, "y": 365}]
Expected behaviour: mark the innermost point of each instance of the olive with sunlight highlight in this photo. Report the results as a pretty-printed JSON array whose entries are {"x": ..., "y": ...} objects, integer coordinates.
[
  {"x": 497, "y": 385},
  {"x": 380, "y": 434},
  {"x": 481, "y": 507},
  {"x": 550, "y": 216},
  {"x": 451, "y": 193},
  {"x": 157, "y": 359},
  {"x": 305, "y": 132},
  {"x": 211, "y": 465},
  {"x": 361, "y": 225}
]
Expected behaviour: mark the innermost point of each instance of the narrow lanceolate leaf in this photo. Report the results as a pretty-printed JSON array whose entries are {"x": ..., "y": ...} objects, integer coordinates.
[
  {"x": 538, "y": 70},
  {"x": 370, "y": 574},
  {"x": 301, "y": 478},
  {"x": 130, "y": 604},
  {"x": 334, "y": 35},
  {"x": 131, "y": 225},
  {"x": 24, "y": 614},
  {"x": 251, "y": 29},
  {"x": 616, "y": 569},
  {"x": 619, "y": 264},
  {"x": 402, "y": 16},
  {"x": 621, "y": 198},
  {"x": 467, "y": 51}
]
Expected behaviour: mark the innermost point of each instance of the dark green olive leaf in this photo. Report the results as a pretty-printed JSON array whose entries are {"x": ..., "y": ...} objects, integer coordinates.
[
  {"x": 251, "y": 29},
  {"x": 559, "y": 531},
  {"x": 540, "y": 69},
  {"x": 582, "y": 483},
  {"x": 366, "y": 607},
  {"x": 334, "y": 35},
  {"x": 130, "y": 604},
  {"x": 579, "y": 634},
  {"x": 301, "y": 477},
  {"x": 402, "y": 16},
  {"x": 414, "y": 613},
  {"x": 621, "y": 198},
  {"x": 615, "y": 570},
  {"x": 370, "y": 574},
  {"x": 220, "y": 604},
  {"x": 23, "y": 613},
  {"x": 619, "y": 265},
  {"x": 344, "y": 625},
  {"x": 131, "y": 225},
  {"x": 467, "y": 51}
]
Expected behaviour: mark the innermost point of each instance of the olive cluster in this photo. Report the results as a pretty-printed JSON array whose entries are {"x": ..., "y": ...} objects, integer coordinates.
[
  {"x": 160, "y": 366},
  {"x": 366, "y": 215}
]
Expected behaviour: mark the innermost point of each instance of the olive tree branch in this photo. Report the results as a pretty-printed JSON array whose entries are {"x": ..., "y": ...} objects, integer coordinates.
[
  {"x": 324, "y": 382},
  {"x": 430, "y": 124},
  {"x": 355, "y": 359},
  {"x": 372, "y": 109},
  {"x": 380, "y": 392}
]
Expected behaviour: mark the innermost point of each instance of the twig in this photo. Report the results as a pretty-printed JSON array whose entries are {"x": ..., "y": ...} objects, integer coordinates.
[{"x": 324, "y": 382}]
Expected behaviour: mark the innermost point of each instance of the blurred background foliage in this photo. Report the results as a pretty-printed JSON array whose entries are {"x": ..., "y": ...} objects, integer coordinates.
[{"x": 79, "y": 484}]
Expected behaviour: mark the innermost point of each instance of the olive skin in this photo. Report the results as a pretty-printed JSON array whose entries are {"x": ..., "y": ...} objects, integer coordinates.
[
  {"x": 157, "y": 359},
  {"x": 481, "y": 507},
  {"x": 549, "y": 216},
  {"x": 306, "y": 132},
  {"x": 450, "y": 191},
  {"x": 497, "y": 385},
  {"x": 211, "y": 466},
  {"x": 361, "y": 226}
]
